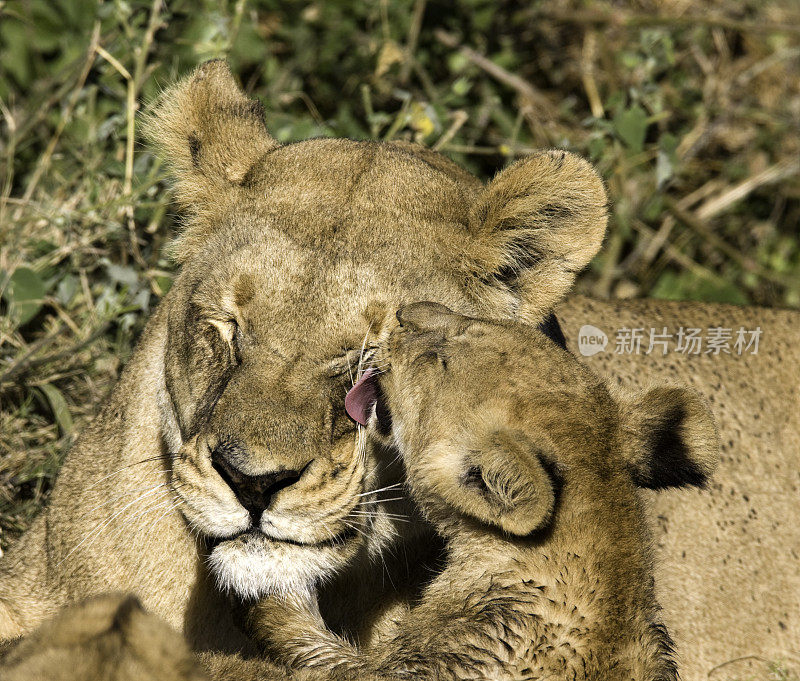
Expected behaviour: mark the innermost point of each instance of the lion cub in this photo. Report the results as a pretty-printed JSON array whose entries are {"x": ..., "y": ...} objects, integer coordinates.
[
  {"x": 108, "y": 637},
  {"x": 530, "y": 467}
]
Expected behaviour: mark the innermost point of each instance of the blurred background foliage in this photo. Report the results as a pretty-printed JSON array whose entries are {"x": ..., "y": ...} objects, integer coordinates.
[{"x": 691, "y": 112}]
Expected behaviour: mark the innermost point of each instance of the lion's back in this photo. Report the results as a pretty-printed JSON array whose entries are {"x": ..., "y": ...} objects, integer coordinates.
[{"x": 728, "y": 569}]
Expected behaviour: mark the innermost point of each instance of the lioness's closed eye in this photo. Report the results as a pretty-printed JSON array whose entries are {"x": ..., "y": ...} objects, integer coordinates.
[{"x": 498, "y": 427}]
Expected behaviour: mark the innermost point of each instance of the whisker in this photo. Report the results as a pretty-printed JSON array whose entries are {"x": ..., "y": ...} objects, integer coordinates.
[
  {"x": 393, "y": 516},
  {"x": 362, "y": 445},
  {"x": 381, "y": 489},
  {"x": 171, "y": 508},
  {"x": 380, "y": 501},
  {"x": 159, "y": 504},
  {"x": 363, "y": 347},
  {"x": 124, "y": 493},
  {"x": 165, "y": 498},
  {"x": 130, "y": 522},
  {"x": 328, "y": 530},
  {"x": 131, "y": 465},
  {"x": 357, "y": 529},
  {"x": 96, "y": 531},
  {"x": 350, "y": 370}
]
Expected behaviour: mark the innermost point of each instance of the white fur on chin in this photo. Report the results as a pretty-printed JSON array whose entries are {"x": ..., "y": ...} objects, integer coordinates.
[{"x": 254, "y": 568}]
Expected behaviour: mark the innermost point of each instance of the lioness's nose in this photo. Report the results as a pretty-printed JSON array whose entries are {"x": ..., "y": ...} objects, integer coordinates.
[{"x": 254, "y": 492}]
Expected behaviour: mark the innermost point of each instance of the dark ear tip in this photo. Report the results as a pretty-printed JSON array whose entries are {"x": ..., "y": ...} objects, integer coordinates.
[
  {"x": 217, "y": 61},
  {"x": 127, "y": 607},
  {"x": 680, "y": 441},
  {"x": 213, "y": 66},
  {"x": 399, "y": 315}
]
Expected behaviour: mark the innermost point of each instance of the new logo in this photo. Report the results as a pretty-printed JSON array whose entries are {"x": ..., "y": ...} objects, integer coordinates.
[{"x": 591, "y": 340}]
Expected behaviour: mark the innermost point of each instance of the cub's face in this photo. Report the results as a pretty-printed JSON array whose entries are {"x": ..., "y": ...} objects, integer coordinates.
[{"x": 493, "y": 418}]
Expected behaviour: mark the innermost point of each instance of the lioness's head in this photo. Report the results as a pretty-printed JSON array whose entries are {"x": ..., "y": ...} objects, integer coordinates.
[
  {"x": 492, "y": 417},
  {"x": 294, "y": 259}
]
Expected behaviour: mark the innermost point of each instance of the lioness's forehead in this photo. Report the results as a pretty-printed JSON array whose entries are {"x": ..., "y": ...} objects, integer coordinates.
[
  {"x": 333, "y": 227},
  {"x": 329, "y": 188}
]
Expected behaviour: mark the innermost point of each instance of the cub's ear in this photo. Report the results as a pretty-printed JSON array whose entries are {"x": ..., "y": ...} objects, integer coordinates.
[
  {"x": 502, "y": 482},
  {"x": 670, "y": 438},
  {"x": 536, "y": 225},
  {"x": 211, "y": 135}
]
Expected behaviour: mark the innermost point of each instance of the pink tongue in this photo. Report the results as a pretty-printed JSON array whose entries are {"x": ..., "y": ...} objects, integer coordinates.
[{"x": 361, "y": 397}]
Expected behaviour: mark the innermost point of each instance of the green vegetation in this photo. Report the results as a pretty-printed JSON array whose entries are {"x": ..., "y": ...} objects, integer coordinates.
[{"x": 693, "y": 120}]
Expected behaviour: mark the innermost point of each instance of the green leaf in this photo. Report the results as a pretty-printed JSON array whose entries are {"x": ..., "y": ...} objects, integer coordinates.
[
  {"x": 687, "y": 286},
  {"x": 119, "y": 274},
  {"x": 66, "y": 290},
  {"x": 631, "y": 127},
  {"x": 664, "y": 169},
  {"x": 461, "y": 86},
  {"x": 58, "y": 406},
  {"x": 24, "y": 294},
  {"x": 162, "y": 285}
]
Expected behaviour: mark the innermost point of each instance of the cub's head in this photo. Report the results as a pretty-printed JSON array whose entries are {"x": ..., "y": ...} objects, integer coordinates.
[
  {"x": 493, "y": 418},
  {"x": 105, "y": 637},
  {"x": 294, "y": 258}
]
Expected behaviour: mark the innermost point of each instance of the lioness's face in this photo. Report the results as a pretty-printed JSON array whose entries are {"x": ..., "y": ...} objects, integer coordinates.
[
  {"x": 267, "y": 334},
  {"x": 294, "y": 258}
]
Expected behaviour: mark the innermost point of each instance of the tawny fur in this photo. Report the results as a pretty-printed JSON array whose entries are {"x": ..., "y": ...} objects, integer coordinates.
[
  {"x": 528, "y": 466},
  {"x": 318, "y": 242},
  {"x": 106, "y": 638}
]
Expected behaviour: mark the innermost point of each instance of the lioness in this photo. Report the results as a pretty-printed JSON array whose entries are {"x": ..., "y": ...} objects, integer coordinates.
[
  {"x": 291, "y": 256},
  {"x": 498, "y": 427},
  {"x": 224, "y": 463}
]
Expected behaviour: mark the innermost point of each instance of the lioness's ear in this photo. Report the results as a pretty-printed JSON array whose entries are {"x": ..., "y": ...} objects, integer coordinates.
[
  {"x": 211, "y": 135},
  {"x": 670, "y": 438},
  {"x": 502, "y": 482},
  {"x": 536, "y": 225}
]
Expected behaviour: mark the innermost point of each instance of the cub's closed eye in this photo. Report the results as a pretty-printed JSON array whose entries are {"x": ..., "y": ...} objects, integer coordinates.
[
  {"x": 227, "y": 328},
  {"x": 430, "y": 356},
  {"x": 238, "y": 336}
]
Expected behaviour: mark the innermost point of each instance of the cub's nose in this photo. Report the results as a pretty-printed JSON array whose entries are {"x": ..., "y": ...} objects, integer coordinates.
[{"x": 254, "y": 492}]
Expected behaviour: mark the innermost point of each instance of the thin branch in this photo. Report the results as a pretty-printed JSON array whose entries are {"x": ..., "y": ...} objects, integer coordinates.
[
  {"x": 638, "y": 20},
  {"x": 411, "y": 39},
  {"x": 525, "y": 90},
  {"x": 459, "y": 118},
  {"x": 44, "y": 161},
  {"x": 706, "y": 233},
  {"x": 775, "y": 173},
  {"x": 25, "y": 363}
]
